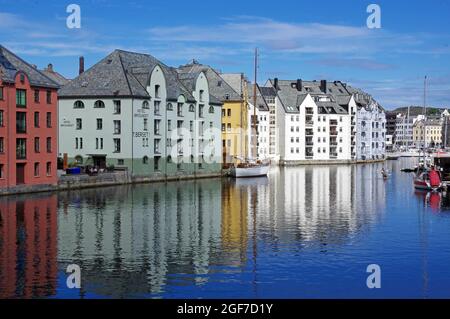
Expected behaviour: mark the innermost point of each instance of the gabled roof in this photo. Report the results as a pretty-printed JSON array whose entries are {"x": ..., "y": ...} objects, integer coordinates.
[
  {"x": 10, "y": 64},
  {"x": 218, "y": 87},
  {"x": 123, "y": 74},
  {"x": 260, "y": 101}
]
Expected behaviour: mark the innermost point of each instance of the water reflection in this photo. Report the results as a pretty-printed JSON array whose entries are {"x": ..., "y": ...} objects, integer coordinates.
[{"x": 168, "y": 239}]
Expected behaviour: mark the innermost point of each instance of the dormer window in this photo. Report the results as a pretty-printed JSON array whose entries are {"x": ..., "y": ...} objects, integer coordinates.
[
  {"x": 145, "y": 105},
  {"x": 99, "y": 104},
  {"x": 78, "y": 105},
  {"x": 157, "y": 87},
  {"x": 201, "y": 95},
  {"x": 22, "y": 78}
]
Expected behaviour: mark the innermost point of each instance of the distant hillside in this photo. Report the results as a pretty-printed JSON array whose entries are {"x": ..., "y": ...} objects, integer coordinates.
[{"x": 418, "y": 110}]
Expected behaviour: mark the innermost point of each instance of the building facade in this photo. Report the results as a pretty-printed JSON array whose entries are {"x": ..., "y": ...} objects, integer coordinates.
[
  {"x": 133, "y": 112},
  {"x": 427, "y": 133},
  {"x": 312, "y": 125},
  {"x": 28, "y": 124},
  {"x": 262, "y": 139}
]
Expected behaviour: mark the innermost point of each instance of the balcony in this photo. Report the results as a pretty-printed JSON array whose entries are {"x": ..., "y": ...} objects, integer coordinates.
[
  {"x": 333, "y": 155},
  {"x": 309, "y": 155},
  {"x": 309, "y": 110},
  {"x": 309, "y": 142},
  {"x": 333, "y": 123},
  {"x": 309, "y": 132},
  {"x": 333, "y": 143},
  {"x": 333, "y": 132}
]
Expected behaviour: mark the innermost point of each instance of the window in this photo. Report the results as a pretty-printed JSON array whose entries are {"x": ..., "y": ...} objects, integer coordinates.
[
  {"x": 49, "y": 144},
  {"x": 79, "y": 124},
  {"x": 191, "y": 108},
  {"x": 37, "y": 146},
  {"x": 99, "y": 104},
  {"x": 157, "y": 105},
  {"x": 101, "y": 143},
  {"x": 78, "y": 105},
  {"x": 117, "y": 105},
  {"x": 169, "y": 125},
  {"x": 21, "y": 148},
  {"x": 169, "y": 107},
  {"x": 2, "y": 118},
  {"x": 200, "y": 110},
  {"x": 49, "y": 168},
  {"x": 1, "y": 92},
  {"x": 223, "y": 127},
  {"x": 223, "y": 112},
  {"x": 229, "y": 127},
  {"x": 81, "y": 143},
  {"x": 116, "y": 145},
  {"x": 117, "y": 127},
  {"x": 145, "y": 105},
  {"x": 21, "y": 98},
  {"x": 49, "y": 119},
  {"x": 36, "y": 96},
  {"x": 145, "y": 124},
  {"x": 157, "y": 91},
  {"x": 156, "y": 163},
  {"x": 229, "y": 112},
  {"x": 49, "y": 97},
  {"x": 36, "y": 169},
  {"x": 201, "y": 95},
  {"x": 120, "y": 161},
  {"x": 191, "y": 126},
  {"x": 211, "y": 109},
  {"x": 180, "y": 109},
  {"x": 145, "y": 160},
  {"x": 36, "y": 119},
  {"x": 1, "y": 171},
  {"x": 157, "y": 129},
  {"x": 21, "y": 122},
  {"x": 96, "y": 143},
  {"x": 2, "y": 144},
  {"x": 156, "y": 147}
]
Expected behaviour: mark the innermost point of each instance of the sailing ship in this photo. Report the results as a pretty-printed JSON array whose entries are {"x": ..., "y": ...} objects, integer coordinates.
[
  {"x": 427, "y": 177},
  {"x": 252, "y": 167}
]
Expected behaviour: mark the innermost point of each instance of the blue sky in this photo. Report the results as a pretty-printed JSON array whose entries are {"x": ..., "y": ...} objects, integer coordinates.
[{"x": 297, "y": 39}]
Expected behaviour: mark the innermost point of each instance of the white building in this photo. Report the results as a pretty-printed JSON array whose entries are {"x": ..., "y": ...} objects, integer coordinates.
[
  {"x": 311, "y": 124},
  {"x": 131, "y": 111},
  {"x": 262, "y": 123}
]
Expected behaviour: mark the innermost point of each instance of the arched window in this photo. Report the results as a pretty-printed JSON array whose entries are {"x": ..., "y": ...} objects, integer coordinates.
[
  {"x": 211, "y": 109},
  {"x": 145, "y": 160},
  {"x": 169, "y": 107},
  {"x": 78, "y": 105},
  {"x": 99, "y": 104},
  {"x": 79, "y": 159},
  {"x": 191, "y": 108},
  {"x": 145, "y": 105}
]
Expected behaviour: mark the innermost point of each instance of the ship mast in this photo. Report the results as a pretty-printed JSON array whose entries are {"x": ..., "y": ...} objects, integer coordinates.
[{"x": 255, "y": 130}]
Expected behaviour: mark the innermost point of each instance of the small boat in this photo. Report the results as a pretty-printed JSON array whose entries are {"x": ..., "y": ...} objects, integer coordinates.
[
  {"x": 392, "y": 156},
  {"x": 408, "y": 170},
  {"x": 250, "y": 169},
  {"x": 426, "y": 180}
]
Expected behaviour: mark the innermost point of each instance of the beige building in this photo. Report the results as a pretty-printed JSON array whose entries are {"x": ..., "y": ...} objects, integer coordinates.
[{"x": 430, "y": 131}]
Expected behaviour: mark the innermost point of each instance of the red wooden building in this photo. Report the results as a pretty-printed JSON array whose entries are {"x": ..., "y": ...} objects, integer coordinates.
[{"x": 28, "y": 124}]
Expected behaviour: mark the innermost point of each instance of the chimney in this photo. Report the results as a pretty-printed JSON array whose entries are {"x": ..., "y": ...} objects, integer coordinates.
[
  {"x": 299, "y": 84},
  {"x": 323, "y": 86},
  {"x": 50, "y": 67},
  {"x": 275, "y": 83},
  {"x": 81, "y": 69}
]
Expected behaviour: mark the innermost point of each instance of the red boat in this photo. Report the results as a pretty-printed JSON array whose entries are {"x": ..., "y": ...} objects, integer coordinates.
[{"x": 429, "y": 180}]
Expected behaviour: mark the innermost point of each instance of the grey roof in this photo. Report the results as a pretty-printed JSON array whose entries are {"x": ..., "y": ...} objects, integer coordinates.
[
  {"x": 268, "y": 91},
  {"x": 218, "y": 87},
  {"x": 235, "y": 80},
  {"x": 338, "y": 93},
  {"x": 10, "y": 64},
  {"x": 55, "y": 76},
  {"x": 260, "y": 101},
  {"x": 124, "y": 74}
]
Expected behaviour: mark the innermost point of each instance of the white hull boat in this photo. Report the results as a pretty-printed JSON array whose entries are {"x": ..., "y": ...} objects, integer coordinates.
[{"x": 251, "y": 170}]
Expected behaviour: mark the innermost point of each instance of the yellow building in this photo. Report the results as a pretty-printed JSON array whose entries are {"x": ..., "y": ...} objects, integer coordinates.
[
  {"x": 235, "y": 119},
  {"x": 429, "y": 131}
]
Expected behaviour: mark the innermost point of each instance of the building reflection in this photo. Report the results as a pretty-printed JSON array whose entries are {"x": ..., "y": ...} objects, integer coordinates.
[
  {"x": 151, "y": 240},
  {"x": 28, "y": 246}
]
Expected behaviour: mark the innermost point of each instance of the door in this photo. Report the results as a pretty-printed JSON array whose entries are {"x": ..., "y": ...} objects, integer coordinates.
[{"x": 20, "y": 174}]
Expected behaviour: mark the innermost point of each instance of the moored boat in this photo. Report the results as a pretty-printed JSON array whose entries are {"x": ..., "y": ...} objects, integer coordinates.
[{"x": 250, "y": 170}]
